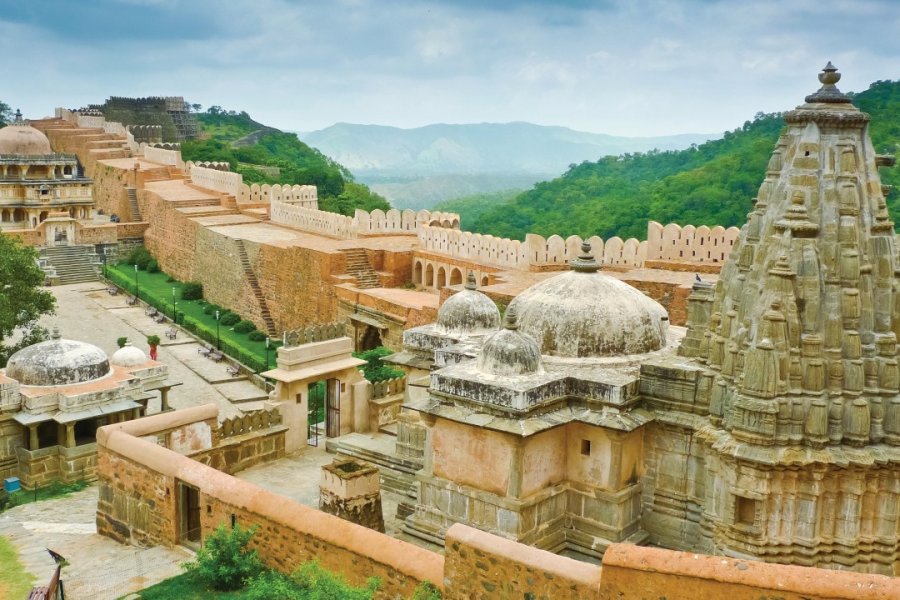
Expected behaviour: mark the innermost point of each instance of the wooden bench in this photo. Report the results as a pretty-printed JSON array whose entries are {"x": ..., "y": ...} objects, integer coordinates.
[
  {"x": 172, "y": 333},
  {"x": 112, "y": 290},
  {"x": 132, "y": 300},
  {"x": 215, "y": 355},
  {"x": 159, "y": 317},
  {"x": 204, "y": 350},
  {"x": 234, "y": 369},
  {"x": 151, "y": 312}
]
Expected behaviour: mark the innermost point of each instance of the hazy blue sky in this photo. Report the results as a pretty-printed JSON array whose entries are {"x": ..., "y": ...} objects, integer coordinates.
[{"x": 628, "y": 68}]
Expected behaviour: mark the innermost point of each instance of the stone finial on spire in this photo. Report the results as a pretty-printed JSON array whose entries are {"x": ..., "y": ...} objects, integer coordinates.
[
  {"x": 828, "y": 93},
  {"x": 19, "y": 120},
  {"x": 470, "y": 281},
  {"x": 55, "y": 335},
  {"x": 511, "y": 318},
  {"x": 585, "y": 263}
]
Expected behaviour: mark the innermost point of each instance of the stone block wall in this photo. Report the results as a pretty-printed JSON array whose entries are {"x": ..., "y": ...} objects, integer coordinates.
[
  {"x": 10, "y": 441},
  {"x": 109, "y": 190}
]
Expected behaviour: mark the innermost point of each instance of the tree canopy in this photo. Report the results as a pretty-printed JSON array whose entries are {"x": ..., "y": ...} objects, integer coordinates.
[
  {"x": 6, "y": 113},
  {"x": 708, "y": 184},
  {"x": 22, "y": 300}
]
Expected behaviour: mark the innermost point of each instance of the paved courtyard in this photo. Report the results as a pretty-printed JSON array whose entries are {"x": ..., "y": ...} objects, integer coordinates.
[{"x": 99, "y": 567}]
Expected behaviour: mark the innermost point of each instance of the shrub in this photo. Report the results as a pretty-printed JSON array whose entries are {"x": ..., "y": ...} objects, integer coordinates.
[
  {"x": 153, "y": 340},
  {"x": 139, "y": 256},
  {"x": 210, "y": 309},
  {"x": 255, "y": 336},
  {"x": 121, "y": 341},
  {"x": 152, "y": 266},
  {"x": 244, "y": 327},
  {"x": 308, "y": 582},
  {"x": 170, "y": 279},
  {"x": 192, "y": 290},
  {"x": 427, "y": 591},
  {"x": 375, "y": 369},
  {"x": 229, "y": 319},
  {"x": 224, "y": 562}
]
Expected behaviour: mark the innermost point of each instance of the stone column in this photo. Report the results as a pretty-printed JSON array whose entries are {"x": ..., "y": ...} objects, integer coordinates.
[
  {"x": 164, "y": 399},
  {"x": 70, "y": 435},
  {"x": 33, "y": 443}
]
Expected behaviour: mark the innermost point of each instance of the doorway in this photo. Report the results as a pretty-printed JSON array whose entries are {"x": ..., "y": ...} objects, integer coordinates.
[
  {"x": 190, "y": 530},
  {"x": 333, "y": 408},
  {"x": 371, "y": 339}
]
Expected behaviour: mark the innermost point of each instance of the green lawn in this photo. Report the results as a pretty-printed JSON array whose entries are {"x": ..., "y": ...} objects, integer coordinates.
[
  {"x": 188, "y": 586},
  {"x": 14, "y": 581},
  {"x": 155, "y": 289},
  {"x": 54, "y": 490}
]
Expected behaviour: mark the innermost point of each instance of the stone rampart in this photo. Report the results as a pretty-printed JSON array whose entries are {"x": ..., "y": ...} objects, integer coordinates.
[
  {"x": 313, "y": 221},
  {"x": 688, "y": 243},
  {"x": 214, "y": 179},
  {"x": 163, "y": 156},
  {"x": 305, "y": 196},
  {"x": 396, "y": 222}
]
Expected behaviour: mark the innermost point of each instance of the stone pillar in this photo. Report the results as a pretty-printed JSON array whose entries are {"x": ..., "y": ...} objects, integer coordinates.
[
  {"x": 70, "y": 435},
  {"x": 164, "y": 399},
  {"x": 351, "y": 490},
  {"x": 33, "y": 442}
]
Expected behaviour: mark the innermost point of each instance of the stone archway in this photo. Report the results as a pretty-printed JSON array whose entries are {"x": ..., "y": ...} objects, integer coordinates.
[
  {"x": 455, "y": 277},
  {"x": 417, "y": 273},
  {"x": 484, "y": 280},
  {"x": 429, "y": 276},
  {"x": 441, "y": 279},
  {"x": 371, "y": 339}
]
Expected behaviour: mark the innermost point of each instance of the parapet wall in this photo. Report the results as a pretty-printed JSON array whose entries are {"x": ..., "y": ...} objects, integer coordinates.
[{"x": 144, "y": 470}]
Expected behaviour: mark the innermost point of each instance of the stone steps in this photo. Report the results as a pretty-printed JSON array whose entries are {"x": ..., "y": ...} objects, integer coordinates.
[
  {"x": 71, "y": 264},
  {"x": 257, "y": 291},
  {"x": 133, "y": 204},
  {"x": 358, "y": 266}
]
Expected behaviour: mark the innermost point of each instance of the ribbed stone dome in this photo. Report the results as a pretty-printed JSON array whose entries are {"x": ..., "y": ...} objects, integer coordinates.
[
  {"x": 468, "y": 311},
  {"x": 57, "y": 362},
  {"x": 583, "y": 313},
  {"x": 128, "y": 356},
  {"x": 509, "y": 351},
  {"x": 19, "y": 138}
]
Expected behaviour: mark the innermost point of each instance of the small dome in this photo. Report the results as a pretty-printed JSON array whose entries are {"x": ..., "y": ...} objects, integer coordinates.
[
  {"x": 128, "y": 356},
  {"x": 57, "y": 362},
  {"x": 582, "y": 313},
  {"x": 509, "y": 351},
  {"x": 20, "y": 138},
  {"x": 468, "y": 311}
]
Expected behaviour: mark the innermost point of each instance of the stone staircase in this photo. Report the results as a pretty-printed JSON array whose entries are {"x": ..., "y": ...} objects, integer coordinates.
[
  {"x": 257, "y": 291},
  {"x": 358, "y": 266},
  {"x": 133, "y": 203},
  {"x": 70, "y": 264}
]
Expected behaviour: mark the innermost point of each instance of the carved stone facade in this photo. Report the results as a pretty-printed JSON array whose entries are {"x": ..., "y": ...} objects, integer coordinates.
[{"x": 778, "y": 428}]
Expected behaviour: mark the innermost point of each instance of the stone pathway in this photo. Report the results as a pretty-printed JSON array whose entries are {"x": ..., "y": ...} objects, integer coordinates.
[{"x": 99, "y": 568}]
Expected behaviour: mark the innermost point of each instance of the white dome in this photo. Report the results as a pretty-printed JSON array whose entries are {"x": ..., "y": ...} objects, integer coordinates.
[
  {"x": 57, "y": 362},
  {"x": 468, "y": 311},
  {"x": 583, "y": 313},
  {"x": 509, "y": 351},
  {"x": 19, "y": 138},
  {"x": 128, "y": 356}
]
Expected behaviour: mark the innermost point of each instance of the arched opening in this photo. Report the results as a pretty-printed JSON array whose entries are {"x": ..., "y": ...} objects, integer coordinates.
[
  {"x": 441, "y": 279},
  {"x": 429, "y": 276},
  {"x": 67, "y": 170},
  {"x": 455, "y": 277},
  {"x": 445, "y": 224},
  {"x": 484, "y": 280},
  {"x": 18, "y": 215},
  {"x": 5, "y": 216},
  {"x": 370, "y": 340},
  {"x": 72, "y": 212},
  {"x": 42, "y": 216},
  {"x": 417, "y": 273}
]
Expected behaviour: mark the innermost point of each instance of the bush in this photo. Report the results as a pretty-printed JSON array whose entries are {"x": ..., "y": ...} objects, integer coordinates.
[
  {"x": 308, "y": 582},
  {"x": 121, "y": 341},
  {"x": 152, "y": 266},
  {"x": 427, "y": 591},
  {"x": 244, "y": 327},
  {"x": 153, "y": 340},
  {"x": 375, "y": 369},
  {"x": 229, "y": 319},
  {"x": 224, "y": 562},
  {"x": 192, "y": 290},
  {"x": 139, "y": 256},
  {"x": 210, "y": 309},
  {"x": 255, "y": 336}
]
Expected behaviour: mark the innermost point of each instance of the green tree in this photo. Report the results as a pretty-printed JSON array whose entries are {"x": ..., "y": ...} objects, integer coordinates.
[
  {"x": 6, "y": 113},
  {"x": 22, "y": 301}
]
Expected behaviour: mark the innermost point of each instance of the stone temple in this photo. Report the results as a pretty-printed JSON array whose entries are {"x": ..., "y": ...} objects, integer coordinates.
[{"x": 770, "y": 430}]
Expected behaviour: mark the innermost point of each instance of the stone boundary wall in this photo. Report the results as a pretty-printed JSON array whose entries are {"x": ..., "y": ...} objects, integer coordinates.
[
  {"x": 139, "y": 504},
  {"x": 690, "y": 244},
  {"x": 534, "y": 253},
  {"x": 306, "y": 196},
  {"x": 163, "y": 156},
  {"x": 408, "y": 221},
  {"x": 312, "y": 220},
  {"x": 98, "y": 122},
  {"x": 214, "y": 179}
]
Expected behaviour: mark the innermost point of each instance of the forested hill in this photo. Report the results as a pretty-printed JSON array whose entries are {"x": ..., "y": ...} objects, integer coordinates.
[
  {"x": 710, "y": 184},
  {"x": 263, "y": 154}
]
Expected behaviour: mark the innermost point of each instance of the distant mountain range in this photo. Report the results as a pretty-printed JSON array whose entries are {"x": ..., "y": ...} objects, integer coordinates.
[{"x": 415, "y": 168}]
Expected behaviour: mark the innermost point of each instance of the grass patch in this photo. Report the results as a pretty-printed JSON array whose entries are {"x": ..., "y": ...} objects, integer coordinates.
[
  {"x": 15, "y": 582},
  {"x": 156, "y": 290},
  {"x": 188, "y": 586},
  {"x": 54, "y": 490}
]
